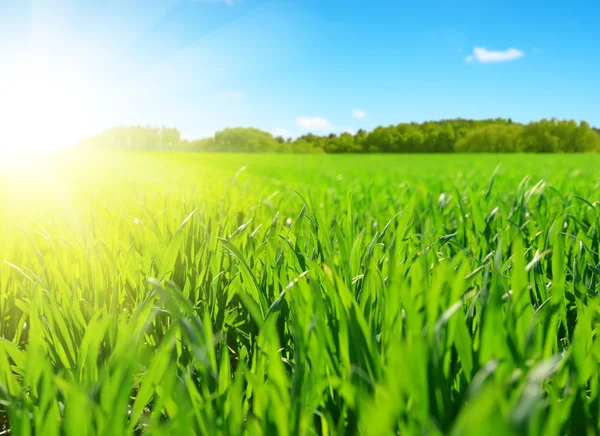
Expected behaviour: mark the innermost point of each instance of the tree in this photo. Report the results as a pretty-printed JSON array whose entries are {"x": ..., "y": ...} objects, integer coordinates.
[
  {"x": 496, "y": 135},
  {"x": 245, "y": 140}
]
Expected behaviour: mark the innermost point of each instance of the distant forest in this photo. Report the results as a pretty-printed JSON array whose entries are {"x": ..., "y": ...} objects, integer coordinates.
[{"x": 446, "y": 136}]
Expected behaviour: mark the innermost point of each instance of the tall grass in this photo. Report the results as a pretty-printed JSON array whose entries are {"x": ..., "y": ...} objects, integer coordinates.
[{"x": 299, "y": 295}]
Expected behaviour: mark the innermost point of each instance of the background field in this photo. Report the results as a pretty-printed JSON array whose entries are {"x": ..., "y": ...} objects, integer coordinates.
[{"x": 304, "y": 294}]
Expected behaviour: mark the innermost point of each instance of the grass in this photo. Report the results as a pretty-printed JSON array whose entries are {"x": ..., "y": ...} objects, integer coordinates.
[{"x": 292, "y": 295}]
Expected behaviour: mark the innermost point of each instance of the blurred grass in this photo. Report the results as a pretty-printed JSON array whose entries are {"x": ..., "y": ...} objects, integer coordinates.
[{"x": 271, "y": 294}]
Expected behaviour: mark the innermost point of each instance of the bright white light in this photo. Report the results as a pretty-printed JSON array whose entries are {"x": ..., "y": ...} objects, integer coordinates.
[{"x": 40, "y": 109}]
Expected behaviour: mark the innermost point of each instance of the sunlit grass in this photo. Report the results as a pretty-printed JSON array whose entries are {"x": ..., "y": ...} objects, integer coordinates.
[{"x": 178, "y": 293}]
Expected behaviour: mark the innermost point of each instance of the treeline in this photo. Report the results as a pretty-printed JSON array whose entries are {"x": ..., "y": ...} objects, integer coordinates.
[
  {"x": 135, "y": 138},
  {"x": 446, "y": 136}
]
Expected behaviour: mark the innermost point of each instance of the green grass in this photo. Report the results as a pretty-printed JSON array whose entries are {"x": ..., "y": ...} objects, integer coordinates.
[{"x": 261, "y": 294}]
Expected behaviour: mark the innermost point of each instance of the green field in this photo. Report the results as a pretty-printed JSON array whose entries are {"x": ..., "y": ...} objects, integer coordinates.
[{"x": 295, "y": 294}]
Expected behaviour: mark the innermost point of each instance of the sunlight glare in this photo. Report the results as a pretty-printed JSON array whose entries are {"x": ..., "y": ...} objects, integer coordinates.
[{"x": 40, "y": 110}]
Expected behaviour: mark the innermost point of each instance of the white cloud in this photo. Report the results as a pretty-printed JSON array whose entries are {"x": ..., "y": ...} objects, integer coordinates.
[
  {"x": 359, "y": 113},
  {"x": 485, "y": 56},
  {"x": 230, "y": 96},
  {"x": 281, "y": 132},
  {"x": 316, "y": 124}
]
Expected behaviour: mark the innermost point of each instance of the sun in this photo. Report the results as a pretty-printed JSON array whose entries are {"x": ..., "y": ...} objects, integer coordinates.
[{"x": 40, "y": 110}]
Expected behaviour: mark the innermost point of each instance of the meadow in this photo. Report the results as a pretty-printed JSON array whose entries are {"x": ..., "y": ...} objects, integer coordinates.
[{"x": 183, "y": 293}]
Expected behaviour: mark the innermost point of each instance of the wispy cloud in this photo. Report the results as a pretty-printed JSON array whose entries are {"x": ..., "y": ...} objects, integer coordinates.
[
  {"x": 315, "y": 124},
  {"x": 359, "y": 113},
  {"x": 230, "y": 96},
  {"x": 485, "y": 56},
  {"x": 280, "y": 131}
]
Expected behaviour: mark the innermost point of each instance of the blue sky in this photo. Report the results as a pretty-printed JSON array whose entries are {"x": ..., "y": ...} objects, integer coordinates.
[{"x": 289, "y": 66}]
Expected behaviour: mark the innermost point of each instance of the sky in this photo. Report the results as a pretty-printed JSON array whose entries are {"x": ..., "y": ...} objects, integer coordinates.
[{"x": 71, "y": 68}]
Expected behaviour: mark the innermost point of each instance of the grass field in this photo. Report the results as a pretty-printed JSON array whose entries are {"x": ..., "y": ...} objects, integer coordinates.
[{"x": 291, "y": 295}]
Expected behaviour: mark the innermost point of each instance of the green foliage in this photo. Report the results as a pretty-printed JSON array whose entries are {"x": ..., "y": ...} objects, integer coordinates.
[
  {"x": 245, "y": 140},
  {"x": 265, "y": 294},
  {"x": 494, "y": 138},
  {"x": 559, "y": 136},
  {"x": 448, "y": 136},
  {"x": 135, "y": 138}
]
